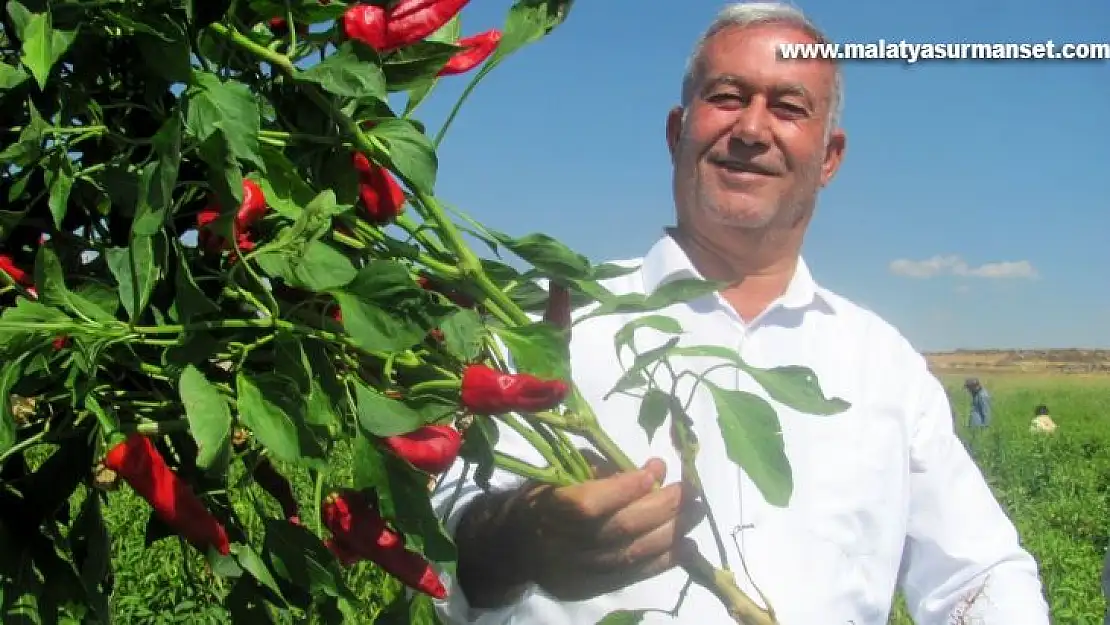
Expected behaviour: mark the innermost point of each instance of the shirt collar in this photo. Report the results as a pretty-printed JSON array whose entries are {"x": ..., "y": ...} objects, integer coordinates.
[{"x": 667, "y": 261}]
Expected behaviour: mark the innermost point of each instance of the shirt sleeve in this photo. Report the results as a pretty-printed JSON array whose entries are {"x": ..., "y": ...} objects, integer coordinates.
[{"x": 963, "y": 560}]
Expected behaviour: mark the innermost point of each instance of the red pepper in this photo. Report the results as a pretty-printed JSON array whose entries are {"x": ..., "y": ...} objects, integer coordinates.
[
  {"x": 558, "y": 308},
  {"x": 280, "y": 27},
  {"x": 252, "y": 208},
  {"x": 487, "y": 391},
  {"x": 138, "y": 463},
  {"x": 478, "y": 48},
  {"x": 20, "y": 277},
  {"x": 366, "y": 23},
  {"x": 360, "y": 533},
  {"x": 410, "y": 21},
  {"x": 432, "y": 448},
  {"x": 381, "y": 195}
]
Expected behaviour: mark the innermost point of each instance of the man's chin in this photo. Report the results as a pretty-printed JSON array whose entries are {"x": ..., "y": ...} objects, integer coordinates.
[{"x": 743, "y": 216}]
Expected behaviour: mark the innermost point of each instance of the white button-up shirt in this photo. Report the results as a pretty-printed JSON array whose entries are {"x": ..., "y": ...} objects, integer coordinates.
[{"x": 885, "y": 495}]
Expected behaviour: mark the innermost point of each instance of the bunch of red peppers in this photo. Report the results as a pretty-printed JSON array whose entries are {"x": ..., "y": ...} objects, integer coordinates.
[{"x": 411, "y": 21}]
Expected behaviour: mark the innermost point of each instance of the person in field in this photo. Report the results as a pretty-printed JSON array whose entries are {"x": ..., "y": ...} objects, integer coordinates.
[
  {"x": 980, "y": 414},
  {"x": 1042, "y": 422},
  {"x": 884, "y": 498}
]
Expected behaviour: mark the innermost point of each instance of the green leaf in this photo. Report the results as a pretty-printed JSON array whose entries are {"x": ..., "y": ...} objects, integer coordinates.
[
  {"x": 797, "y": 387},
  {"x": 295, "y": 554},
  {"x": 43, "y": 46},
  {"x": 11, "y": 77},
  {"x": 285, "y": 190},
  {"x": 9, "y": 377},
  {"x": 50, "y": 280},
  {"x": 634, "y": 377},
  {"x": 623, "y": 617},
  {"x": 625, "y": 337},
  {"x": 136, "y": 270},
  {"x": 653, "y": 411},
  {"x": 538, "y": 349},
  {"x": 29, "y": 325},
  {"x": 381, "y": 416},
  {"x": 410, "y": 153},
  {"x": 351, "y": 71},
  {"x": 792, "y": 385},
  {"x": 464, "y": 334},
  {"x": 60, "y": 182},
  {"x": 669, "y": 293},
  {"x": 548, "y": 255},
  {"x": 417, "y": 64},
  {"x": 529, "y": 21},
  {"x": 228, "y": 109},
  {"x": 271, "y": 406},
  {"x": 209, "y": 419},
  {"x": 753, "y": 440},
  {"x": 189, "y": 301},
  {"x": 157, "y": 180},
  {"x": 251, "y": 563},
  {"x": 320, "y": 267},
  {"x": 90, "y": 537},
  {"x": 166, "y": 53},
  {"x": 28, "y": 147},
  {"x": 608, "y": 271},
  {"x": 385, "y": 310}
]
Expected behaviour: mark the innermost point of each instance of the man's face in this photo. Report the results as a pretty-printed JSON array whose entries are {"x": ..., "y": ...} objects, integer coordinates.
[{"x": 751, "y": 150}]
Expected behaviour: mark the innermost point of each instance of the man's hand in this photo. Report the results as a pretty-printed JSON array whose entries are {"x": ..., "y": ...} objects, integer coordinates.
[
  {"x": 584, "y": 540},
  {"x": 599, "y": 536}
]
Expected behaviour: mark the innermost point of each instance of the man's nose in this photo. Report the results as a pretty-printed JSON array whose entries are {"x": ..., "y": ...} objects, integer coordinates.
[{"x": 752, "y": 126}]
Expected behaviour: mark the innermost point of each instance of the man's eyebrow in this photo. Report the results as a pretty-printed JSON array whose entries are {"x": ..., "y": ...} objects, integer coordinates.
[
  {"x": 732, "y": 80},
  {"x": 720, "y": 80}
]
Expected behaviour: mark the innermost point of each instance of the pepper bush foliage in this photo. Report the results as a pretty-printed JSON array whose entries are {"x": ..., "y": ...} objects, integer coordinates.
[{"x": 331, "y": 298}]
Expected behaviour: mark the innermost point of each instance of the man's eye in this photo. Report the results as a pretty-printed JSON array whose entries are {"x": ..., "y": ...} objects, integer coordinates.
[
  {"x": 724, "y": 98},
  {"x": 793, "y": 109}
]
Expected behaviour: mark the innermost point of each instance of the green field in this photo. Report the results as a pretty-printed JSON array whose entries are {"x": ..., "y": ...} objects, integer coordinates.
[{"x": 1055, "y": 487}]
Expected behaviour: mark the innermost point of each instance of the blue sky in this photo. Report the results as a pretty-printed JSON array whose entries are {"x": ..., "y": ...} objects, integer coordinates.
[{"x": 968, "y": 163}]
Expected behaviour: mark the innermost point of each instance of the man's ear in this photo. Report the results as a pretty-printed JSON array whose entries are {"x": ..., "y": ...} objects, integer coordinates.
[
  {"x": 674, "y": 129},
  {"x": 834, "y": 155}
]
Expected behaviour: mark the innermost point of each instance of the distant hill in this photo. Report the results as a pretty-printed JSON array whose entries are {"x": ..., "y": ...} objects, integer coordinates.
[{"x": 1061, "y": 361}]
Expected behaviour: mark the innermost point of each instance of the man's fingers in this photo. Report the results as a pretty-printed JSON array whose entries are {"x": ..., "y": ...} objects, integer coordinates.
[
  {"x": 647, "y": 546},
  {"x": 601, "y": 468},
  {"x": 643, "y": 515},
  {"x": 585, "y": 586},
  {"x": 597, "y": 499}
]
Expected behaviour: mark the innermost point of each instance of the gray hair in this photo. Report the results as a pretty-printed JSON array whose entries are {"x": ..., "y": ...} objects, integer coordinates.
[{"x": 753, "y": 13}]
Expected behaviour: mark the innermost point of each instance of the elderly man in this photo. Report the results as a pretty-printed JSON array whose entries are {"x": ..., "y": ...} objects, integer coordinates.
[{"x": 885, "y": 496}]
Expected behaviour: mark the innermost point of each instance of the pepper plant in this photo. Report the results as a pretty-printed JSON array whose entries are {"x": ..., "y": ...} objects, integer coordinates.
[{"x": 224, "y": 256}]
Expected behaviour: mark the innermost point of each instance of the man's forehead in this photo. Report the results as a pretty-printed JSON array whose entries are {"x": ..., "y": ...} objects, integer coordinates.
[{"x": 723, "y": 61}]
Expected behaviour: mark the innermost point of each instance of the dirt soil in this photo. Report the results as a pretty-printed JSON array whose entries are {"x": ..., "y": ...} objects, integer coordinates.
[{"x": 1043, "y": 361}]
